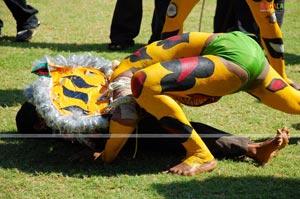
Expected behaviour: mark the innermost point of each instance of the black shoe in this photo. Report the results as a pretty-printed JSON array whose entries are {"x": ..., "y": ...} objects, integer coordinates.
[
  {"x": 117, "y": 46},
  {"x": 27, "y": 34}
]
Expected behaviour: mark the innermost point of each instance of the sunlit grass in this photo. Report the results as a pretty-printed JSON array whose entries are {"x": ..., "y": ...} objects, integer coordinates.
[{"x": 41, "y": 169}]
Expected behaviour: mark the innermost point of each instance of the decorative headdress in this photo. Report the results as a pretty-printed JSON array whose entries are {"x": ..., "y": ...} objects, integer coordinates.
[{"x": 73, "y": 94}]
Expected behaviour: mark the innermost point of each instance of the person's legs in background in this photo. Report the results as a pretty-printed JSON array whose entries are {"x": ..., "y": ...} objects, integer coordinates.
[
  {"x": 126, "y": 23},
  {"x": 158, "y": 19},
  {"x": 25, "y": 16},
  {"x": 224, "y": 16},
  {"x": 1, "y": 25},
  {"x": 279, "y": 11}
]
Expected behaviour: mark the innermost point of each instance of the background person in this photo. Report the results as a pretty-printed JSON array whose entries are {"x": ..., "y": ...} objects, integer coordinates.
[
  {"x": 232, "y": 15},
  {"x": 264, "y": 16},
  {"x": 126, "y": 22},
  {"x": 25, "y": 16}
]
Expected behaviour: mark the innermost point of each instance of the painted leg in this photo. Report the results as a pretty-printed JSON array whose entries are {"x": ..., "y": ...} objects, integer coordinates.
[
  {"x": 275, "y": 92},
  {"x": 153, "y": 86},
  {"x": 198, "y": 157},
  {"x": 270, "y": 32},
  {"x": 177, "y": 12}
]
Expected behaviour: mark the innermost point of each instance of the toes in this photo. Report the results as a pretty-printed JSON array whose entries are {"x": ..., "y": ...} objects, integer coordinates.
[
  {"x": 176, "y": 171},
  {"x": 279, "y": 141},
  {"x": 286, "y": 131},
  {"x": 188, "y": 173},
  {"x": 166, "y": 172},
  {"x": 279, "y": 132}
]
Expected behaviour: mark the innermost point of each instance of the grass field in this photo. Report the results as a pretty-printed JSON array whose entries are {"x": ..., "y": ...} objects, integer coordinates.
[{"x": 40, "y": 168}]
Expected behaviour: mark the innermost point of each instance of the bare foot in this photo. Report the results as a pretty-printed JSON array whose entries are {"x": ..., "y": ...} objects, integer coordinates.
[
  {"x": 263, "y": 152},
  {"x": 285, "y": 132},
  {"x": 187, "y": 170}
]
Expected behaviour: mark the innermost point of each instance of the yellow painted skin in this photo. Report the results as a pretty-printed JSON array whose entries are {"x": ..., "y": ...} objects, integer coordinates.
[
  {"x": 127, "y": 69},
  {"x": 264, "y": 15},
  {"x": 151, "y": 69}
]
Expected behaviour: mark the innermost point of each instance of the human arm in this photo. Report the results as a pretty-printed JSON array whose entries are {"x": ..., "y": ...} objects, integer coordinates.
[
  {"x": 119, "y": 135},
  {"x": 124, "y": 117}
]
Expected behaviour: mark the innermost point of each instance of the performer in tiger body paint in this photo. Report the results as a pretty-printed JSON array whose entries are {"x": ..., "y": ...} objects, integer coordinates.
[
  {"x": 264, "y": 15},
  {"x": 194, "y": 69}
]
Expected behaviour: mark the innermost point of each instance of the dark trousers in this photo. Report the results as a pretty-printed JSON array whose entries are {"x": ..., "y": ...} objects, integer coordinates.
[
  {"x": 158, "y": 19},
  {"x": 233, "y": 15},
  {"x": 127, "y": 18},
  {"x": 24, "y": 14},
  {"x": 220, "y": 143}
]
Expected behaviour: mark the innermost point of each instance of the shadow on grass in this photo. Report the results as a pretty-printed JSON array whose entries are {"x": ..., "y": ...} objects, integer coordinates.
[
  {"x": 291, "y": 59},
  {"x": 67, "y": 47},
  {"x": 231, "y": 187},
  {"x": 52, "y": 155},
  {"x": 296, "y": 126},
  {"x": 11, "y": 97}
]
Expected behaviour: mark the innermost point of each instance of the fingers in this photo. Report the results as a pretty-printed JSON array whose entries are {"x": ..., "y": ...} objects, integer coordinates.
[{"x": 97, "y": 155}]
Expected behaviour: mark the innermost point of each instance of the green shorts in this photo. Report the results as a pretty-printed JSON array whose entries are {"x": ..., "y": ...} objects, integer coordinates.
[{"x": 241, "y": 50}]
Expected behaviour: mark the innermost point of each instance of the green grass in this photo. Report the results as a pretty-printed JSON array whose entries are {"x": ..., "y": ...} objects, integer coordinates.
[{"x": 41, "y": 168}]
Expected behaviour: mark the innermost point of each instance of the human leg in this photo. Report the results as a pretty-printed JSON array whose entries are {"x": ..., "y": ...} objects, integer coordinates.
[
  {"x": 226, "y": 145},
  {"x": 158, "y": 19},
  {"x": 279, "y": 11},
  {"x": 125, "y": 25},
  {"x": 25, "y": 16},
  {"x": 153, "y": 86},
  {"x": 270, "y": 32},
  {"x": 177, "y": 12},
  {"x": 221, "y": 144},
  {"x": 224, "y": 18},
  {"x": 271, "y": 89}
]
